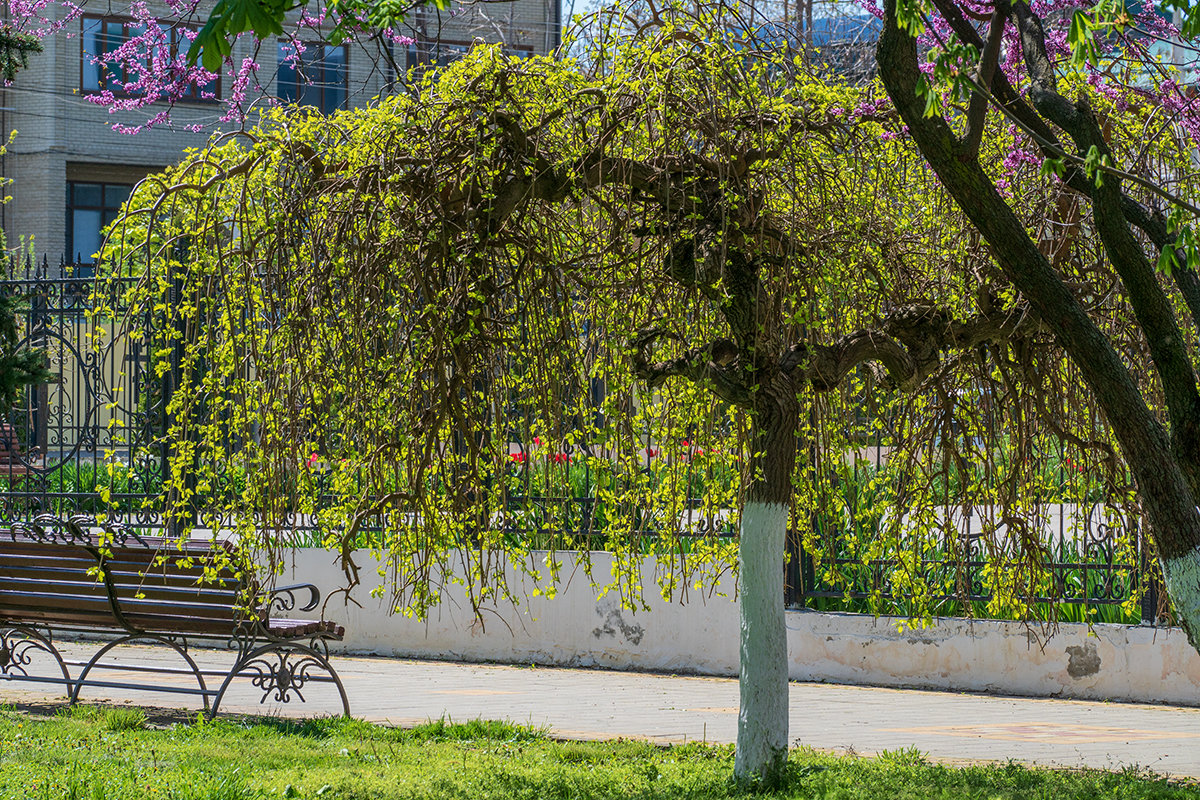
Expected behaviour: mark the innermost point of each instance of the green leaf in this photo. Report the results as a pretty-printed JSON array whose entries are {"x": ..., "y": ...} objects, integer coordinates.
[
  {"x": 1053, "y": 166},
  {"x": 1081, "y": 38},
  {"x": 1167, "y": 261}
]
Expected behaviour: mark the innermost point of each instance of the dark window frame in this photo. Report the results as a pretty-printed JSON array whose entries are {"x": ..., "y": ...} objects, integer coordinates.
[
  {"x": 103, "y": 208},
  {"x": 179, "y": 42},
  {"x": 315, "y": 73}
]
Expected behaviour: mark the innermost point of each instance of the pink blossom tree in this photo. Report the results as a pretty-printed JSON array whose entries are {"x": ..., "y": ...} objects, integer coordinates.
[
  {"x": 176, "y": 51},
  {"x": 1056, "y": 73}
]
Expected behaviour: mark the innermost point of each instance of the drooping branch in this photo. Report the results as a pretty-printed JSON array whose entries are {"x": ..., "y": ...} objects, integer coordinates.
[
  {"x": 1167, "y": 493},
  {"x": 909, "y": 344},
  {"x": 715, "y": 364},
  {"x": 1044, "y": 137}
]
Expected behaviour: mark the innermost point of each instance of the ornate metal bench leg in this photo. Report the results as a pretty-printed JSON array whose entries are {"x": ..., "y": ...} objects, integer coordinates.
[
  {"x": 81, "y": 680},
  {"x": 15, "y": 643},
  {"x": 281, "y": 669}
]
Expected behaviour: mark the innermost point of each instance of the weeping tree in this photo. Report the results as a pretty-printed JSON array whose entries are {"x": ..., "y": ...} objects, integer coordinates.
[{"x": 677, "y": 268}]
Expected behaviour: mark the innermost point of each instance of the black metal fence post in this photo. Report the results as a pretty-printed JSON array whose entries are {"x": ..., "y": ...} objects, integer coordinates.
[
  {"x": 1150, "y": 593},
  {"x": 39, "y": 395},
  {"x": 181, "y": 515}
]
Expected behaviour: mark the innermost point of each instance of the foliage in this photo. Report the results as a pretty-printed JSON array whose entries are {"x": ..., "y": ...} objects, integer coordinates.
[
  {"x": 454, "y": 271},
  {"x": 19, "y": 368},
  {"x": 75, "y": 755}
]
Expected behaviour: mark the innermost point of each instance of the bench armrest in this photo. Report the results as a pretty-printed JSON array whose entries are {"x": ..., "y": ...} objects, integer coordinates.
[{"x": 283, "y": 598}]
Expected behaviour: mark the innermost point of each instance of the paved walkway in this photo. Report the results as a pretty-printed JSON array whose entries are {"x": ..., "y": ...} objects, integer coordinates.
[{"x": 594, "y": 704}]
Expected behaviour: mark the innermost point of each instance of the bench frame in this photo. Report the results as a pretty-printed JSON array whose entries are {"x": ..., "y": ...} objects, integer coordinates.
[{"x": 279, "y": 666}]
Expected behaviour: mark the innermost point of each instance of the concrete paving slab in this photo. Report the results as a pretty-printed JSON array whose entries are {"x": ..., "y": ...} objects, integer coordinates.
[{"x": 599, "y": 704}]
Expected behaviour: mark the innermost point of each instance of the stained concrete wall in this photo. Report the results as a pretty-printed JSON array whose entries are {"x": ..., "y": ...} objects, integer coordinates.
[{"x": 578, "y": 628}]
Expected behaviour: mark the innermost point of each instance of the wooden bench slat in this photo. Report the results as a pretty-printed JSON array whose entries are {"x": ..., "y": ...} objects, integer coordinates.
[
  {"x": 73, "y": 597},
  {"x": 100, "y": 615},
  {"x": 171, "y": 624},
  {"x": 122, "y": 583},
  {"x": 34, "y": 548},
  {"x": 293, "y": 628},
  {"x": 42, "y": 616},
  {"x": 138, "y": 558},
  {"x": 55, "y": 601},
  {"x": 146, "y": 622},
  {"x": 173, "y": 574},
  {"x": 8, "y": 561},
  {"x": 49, "y": 561},
  {"x": 127, "y": 579},
  {"x": 168, "y": 594}
]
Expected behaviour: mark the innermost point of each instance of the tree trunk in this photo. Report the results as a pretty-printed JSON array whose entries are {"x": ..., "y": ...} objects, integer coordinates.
[{"x": 762, "y": 740}]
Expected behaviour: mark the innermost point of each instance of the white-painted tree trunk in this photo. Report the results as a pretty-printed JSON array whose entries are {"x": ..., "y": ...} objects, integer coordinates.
[
  {"x": 1182, "y": 577},
  {"x": 762, "y": 739}
]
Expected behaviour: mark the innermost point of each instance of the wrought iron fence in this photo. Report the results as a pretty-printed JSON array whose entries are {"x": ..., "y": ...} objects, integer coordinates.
[
  {"x": 92, "y": 440},
  {"x": 103, "y": 406},
  {"x": 1099, "y": 567}
]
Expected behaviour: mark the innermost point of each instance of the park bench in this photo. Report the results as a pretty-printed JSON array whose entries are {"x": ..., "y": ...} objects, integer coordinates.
[{"x": 59, "y": 577}]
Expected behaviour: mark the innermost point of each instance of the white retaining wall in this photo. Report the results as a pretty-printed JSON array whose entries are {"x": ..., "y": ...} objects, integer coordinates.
[{"x": 1113, "y": 662}]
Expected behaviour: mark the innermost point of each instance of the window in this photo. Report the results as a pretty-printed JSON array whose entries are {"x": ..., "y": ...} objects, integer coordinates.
[
  {"x": 436, "y": 54},
  {"x": 318, "y": 77},
  {"x": 102, "y": 35},
  {"x": 90, "y": 207},
  {"x": 440, "y": 54}
]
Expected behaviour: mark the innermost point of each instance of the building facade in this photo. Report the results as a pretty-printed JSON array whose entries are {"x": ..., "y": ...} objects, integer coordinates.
[{"x": 71, "y": 167}]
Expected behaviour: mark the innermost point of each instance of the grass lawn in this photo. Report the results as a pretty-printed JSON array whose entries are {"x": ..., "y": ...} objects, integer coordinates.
[{"x": 95, "y": 753}]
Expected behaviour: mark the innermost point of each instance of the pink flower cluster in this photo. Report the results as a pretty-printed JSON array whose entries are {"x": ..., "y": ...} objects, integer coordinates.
[
  {"x": 1129, "y": 73},
  {"x": 148, "y": 70}
]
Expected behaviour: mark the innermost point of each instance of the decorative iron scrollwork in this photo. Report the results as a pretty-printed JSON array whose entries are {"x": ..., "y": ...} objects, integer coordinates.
[
  {"x": 283, "y": 598},
  {"x": 77, "y": 529},
  {"x": 121, "y": 534},
  {"x": 17, "y": 647},
  {"x": 281, "y": 670},
  {"x": 281, "y": 673},
  {"x": 50, "y": 529}
]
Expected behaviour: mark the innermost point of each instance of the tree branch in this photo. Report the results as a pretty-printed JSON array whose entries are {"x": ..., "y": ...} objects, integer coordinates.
[
  {"x": 715, "y": 364},
  {"x": 977, "y": 112},
  {"x": 1169, "y": 501},
  {"x": 909, "y": 344},
  {"x": 1150, "y": 303}
]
